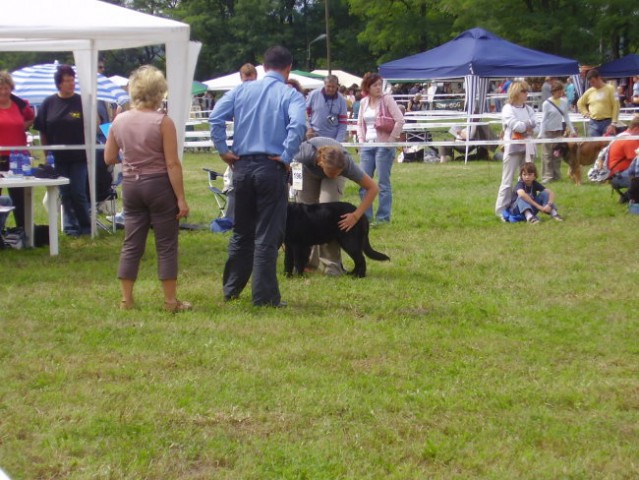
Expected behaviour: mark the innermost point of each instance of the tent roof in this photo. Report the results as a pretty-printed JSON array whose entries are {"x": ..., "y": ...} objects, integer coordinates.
[
  {"x": 119, "y": 80},
  {"x": 39, "y": 25},
  {"x": 307, "y": 74},
  {"x": 87, "y": 26},
  {"x": 229, "y": 82},
  {"x": 478, "y": 52},
  {"x": 627, "y": 66},
  {"x": 345, "y": 78}
]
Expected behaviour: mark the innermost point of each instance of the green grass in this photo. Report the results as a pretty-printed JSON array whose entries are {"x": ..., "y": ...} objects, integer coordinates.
[{"x": 482, "y": 350}]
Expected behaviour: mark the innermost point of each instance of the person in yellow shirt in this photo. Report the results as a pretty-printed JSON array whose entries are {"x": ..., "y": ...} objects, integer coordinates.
[{"x": 600, "y": 104}]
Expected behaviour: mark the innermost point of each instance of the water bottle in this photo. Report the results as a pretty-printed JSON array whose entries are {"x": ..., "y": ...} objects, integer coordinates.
[
  {"x": 26, "y": 164},
  {"x": 18, "y": 161},
  {"x": 13, "y": 162},
  {"x": 50, "y": 159}
]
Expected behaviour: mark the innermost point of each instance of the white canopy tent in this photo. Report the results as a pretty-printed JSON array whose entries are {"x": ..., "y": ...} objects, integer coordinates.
[
  {"x": 345, "y": 78},
  {"x": 229, "y": 82},
  {"x": 119, "y": 80},
  {"x": 86, "y": 27}
]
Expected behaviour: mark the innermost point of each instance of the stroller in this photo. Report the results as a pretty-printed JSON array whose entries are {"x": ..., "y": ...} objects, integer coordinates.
[{"x": 224, "y": 199}]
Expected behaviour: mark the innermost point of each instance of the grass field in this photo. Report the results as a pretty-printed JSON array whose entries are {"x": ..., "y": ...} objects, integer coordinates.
[{"x": 482, "y": 350}]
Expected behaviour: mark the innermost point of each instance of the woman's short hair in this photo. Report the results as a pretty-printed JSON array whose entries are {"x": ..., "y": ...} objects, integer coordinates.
[
  {"x": 332, "y": 158},
  {"x": 7, "y": 79},
  {"x": 61, "y": 72},
  {"x": 248, "y": 70},
  {"x": 368, "y": 80},
  {"x": 556, "y": 86},
  {"x": 515, "y": 89},
  {"x": 147, "y": 87}
]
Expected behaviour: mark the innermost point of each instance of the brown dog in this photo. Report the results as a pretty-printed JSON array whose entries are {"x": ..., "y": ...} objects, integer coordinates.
[{"x": 582, "y": 153}]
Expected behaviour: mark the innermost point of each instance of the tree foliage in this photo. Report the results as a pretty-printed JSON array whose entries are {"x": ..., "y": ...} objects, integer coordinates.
[{"x": 365, "y": 33}]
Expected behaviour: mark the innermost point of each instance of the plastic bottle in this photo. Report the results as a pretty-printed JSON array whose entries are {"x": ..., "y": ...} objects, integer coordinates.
[
  {"x": 50, "y": 159},
  {"x": 18, "y": 162},
  {"x": 26, "y": 164},
  {"x": 13, "y": 162}
]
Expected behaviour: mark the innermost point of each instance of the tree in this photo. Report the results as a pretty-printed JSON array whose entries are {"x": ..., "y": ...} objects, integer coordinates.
[
  {"x": 365, "y": 33},
  {"x": 396, "y": 28},
  {"x": 237, "y": 31},
  {"x": 590, "y": 31}
]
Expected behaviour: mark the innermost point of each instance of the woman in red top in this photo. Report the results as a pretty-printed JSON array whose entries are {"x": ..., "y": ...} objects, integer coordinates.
[{"x": 16, "y": 116}]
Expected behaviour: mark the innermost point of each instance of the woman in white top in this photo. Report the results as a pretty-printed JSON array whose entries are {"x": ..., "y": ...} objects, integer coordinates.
[
  {"x": 378, "y": 158},
  {"x": 519, "y": 123}
]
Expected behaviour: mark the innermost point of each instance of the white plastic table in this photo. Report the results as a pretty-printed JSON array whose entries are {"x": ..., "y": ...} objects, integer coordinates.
[{"x": 51, "y": 185}]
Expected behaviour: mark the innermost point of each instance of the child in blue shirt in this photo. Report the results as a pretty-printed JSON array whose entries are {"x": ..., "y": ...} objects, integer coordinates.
[{"x": 531, "y": 197}]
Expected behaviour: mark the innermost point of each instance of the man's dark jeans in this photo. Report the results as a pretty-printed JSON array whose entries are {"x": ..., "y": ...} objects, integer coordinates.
[
  {"x": 260, "y": 220},
  {"x": 74, "y": 197}
]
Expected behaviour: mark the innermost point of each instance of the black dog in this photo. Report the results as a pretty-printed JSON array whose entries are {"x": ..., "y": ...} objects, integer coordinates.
[{"x": 308, "y": 225}]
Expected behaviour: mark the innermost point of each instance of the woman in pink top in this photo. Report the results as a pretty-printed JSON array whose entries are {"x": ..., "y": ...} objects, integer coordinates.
[
  {"x": 378, "y": 158},
  {"x": 152, "y": 187}
]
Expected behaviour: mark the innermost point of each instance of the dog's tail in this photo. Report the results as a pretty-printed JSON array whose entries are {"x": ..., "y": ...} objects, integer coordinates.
[{"x": 369, "y": 252}]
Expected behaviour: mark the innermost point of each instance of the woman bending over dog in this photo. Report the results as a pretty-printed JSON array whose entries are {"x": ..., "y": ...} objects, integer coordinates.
[{"x": 325, "y": 167}]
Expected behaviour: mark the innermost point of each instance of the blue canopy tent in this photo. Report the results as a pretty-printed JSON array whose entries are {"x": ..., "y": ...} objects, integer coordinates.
[
  {"x": 477, "y": 55},
  {"x": 627, "y": 66}
]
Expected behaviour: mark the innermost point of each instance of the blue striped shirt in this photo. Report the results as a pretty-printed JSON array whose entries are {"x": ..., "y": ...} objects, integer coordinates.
[{"x": 269, "y": 118}]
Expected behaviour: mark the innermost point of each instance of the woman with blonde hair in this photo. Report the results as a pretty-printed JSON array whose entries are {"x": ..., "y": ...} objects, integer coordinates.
[
  {"x": 518, "y": 121},
  {"x": 152, "y": 187},
  {"x": 325, "y": 167}
]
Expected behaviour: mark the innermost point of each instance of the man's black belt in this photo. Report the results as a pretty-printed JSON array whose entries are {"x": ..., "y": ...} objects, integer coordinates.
[{"x": 255, "y": 156}]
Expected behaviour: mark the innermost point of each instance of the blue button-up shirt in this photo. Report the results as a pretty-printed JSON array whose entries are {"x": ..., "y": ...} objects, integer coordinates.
[{"x": 269, "y": 117}]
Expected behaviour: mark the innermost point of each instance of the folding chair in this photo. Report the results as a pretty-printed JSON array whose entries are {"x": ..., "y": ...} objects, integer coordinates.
[
  {"x": 111, "y": 200},
  {"x": 220, "y": 196}
]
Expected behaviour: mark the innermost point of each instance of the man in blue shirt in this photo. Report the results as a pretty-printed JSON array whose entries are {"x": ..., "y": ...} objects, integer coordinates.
[{"x": 269, "y": 125}]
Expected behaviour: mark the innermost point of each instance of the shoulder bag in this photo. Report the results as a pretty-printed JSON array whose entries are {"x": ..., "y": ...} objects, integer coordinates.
[
  {"x": 563, "y": 123},
  {"x": 384, "y": 122}
]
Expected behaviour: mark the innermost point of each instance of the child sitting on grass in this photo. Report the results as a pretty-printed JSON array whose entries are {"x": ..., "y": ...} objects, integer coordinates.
[{"x": 531, "y": 197}]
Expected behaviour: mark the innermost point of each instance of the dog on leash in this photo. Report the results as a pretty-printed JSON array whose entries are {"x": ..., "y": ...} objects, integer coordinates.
[
  {"x": 578, "y": 154},
  {"x": 316, "y": 224}
]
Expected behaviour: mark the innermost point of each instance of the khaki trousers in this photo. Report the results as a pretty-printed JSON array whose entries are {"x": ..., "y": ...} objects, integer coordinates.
[
  {"x": 326, "y": 258},
  {"x": 550, "y": 166}
]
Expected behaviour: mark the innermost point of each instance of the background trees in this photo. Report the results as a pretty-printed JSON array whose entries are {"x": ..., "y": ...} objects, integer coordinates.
[{"x": 365, "y": 33}]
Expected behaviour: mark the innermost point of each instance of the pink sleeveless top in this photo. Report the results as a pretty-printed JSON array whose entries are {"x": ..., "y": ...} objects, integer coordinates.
[{"x": 139, "y": 137}]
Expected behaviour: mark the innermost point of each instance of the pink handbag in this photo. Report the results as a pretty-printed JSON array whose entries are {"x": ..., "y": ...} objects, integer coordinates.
[{"x": 384, "y": 122}]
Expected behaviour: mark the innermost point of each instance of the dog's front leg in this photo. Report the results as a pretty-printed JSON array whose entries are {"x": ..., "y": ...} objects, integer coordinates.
[{"x": 288, "y": 260}]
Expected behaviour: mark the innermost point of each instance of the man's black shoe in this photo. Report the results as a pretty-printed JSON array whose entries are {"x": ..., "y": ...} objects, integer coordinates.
[{"x": 273, "y": 305}]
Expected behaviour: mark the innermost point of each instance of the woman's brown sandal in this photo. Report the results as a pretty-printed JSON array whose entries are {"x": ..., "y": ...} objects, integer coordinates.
[
  {"x": 177, "y": 306},
  {"x": 126, "y": 305}
]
